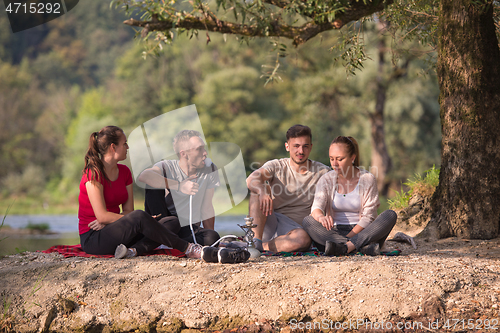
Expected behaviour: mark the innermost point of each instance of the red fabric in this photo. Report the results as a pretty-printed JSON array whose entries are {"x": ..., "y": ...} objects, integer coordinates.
[
  {"x": 115, "y": 194},
  {"x": 77, "y": 251}
]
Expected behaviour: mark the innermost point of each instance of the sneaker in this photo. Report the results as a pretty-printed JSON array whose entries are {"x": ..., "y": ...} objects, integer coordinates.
[
  {"x": 122, "y": 252},
  {"x": 210, "y": 254},
  {"x": 194, "y": 251},
  {"x": 372, "y": 249},
  {"x": 335, "y": 249},
  {"x": 231, "y": 256}
]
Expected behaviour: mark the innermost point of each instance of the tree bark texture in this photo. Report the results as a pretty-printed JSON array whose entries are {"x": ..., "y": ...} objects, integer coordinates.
[{"x": 466, "y": 203}]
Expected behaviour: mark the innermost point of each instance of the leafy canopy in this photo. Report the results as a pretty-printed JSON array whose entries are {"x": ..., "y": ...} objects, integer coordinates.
[{"x": 296, "y": 20}]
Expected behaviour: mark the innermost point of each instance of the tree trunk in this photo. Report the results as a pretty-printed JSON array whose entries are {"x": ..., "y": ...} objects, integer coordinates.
[
  {"x": 466, "y": 203},
  {"x": 381, "y": 162}
]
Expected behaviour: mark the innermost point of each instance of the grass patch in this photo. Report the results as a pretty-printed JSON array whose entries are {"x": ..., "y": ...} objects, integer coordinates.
[
  {"x": 41, "y": 227},
  {"x": 400, "y": 200},
  {"x": 421, "y": 185},
  {"x": 7, "y": 320},
  {"x": 3, "y": 219},
  {"x": 38, "y": 206}
]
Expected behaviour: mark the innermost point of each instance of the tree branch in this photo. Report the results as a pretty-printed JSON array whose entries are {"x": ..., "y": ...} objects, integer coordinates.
[{"x": 275, "y": 28}]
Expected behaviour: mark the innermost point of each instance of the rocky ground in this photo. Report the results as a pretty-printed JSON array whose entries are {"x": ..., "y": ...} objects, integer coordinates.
[{"x": 448, "y": 284}]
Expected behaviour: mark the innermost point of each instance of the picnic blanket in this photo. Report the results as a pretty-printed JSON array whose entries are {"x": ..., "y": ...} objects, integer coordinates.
[{"x": 77, "y": 251}]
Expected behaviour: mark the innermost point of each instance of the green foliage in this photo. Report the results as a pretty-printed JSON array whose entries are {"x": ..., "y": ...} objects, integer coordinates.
[
  {"x": 51, "y": 202},
  {"x": 6, "y": 306},
  {"x": 414, "y": 20},
  {"x": 222, "y": 79},
  {"x": 351, "y": 48},
  {"x": 263, "y": 18},
  {"x": 413, "y": 101},
  {"x": 17, "y": 141},
  {"x": 409, "y": 20},
  {"x": 6, "y": 321},
  {"x": 424, "y": 185},
  {"x": 30, "y": 182},
  {"x": 400, "y": 200},
  {"x": 421, "y": 185},
  {"x": 3, "y": 221},
  {"x": 94, "y": 113},
  {"x": 144, "y": 89},
  {"x": 44, "y": 71},
  {"x": 81, "y": 77},
  {"x": 41, "y": 227}
]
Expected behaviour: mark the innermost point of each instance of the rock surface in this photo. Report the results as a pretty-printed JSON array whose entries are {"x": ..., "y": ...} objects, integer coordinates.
[{"x": 439, "y": 281}]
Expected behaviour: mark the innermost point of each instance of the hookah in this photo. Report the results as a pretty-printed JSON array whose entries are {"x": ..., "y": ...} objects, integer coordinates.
[
  {"x": 247, "y": 228},
  {"x": 249, "y": 234}
]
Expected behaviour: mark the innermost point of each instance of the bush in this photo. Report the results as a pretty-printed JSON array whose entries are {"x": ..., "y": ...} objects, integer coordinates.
[
  {"x": 424, "y": 186},
  {"x": 30, "y": 182},
  {"x": 42, "y": 227}
]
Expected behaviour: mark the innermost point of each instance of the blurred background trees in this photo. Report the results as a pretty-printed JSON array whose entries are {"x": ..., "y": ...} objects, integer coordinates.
[{"x": 65, "y": 79}]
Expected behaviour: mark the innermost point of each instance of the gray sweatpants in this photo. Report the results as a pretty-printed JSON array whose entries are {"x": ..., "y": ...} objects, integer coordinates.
[{"x": 377, "y": 231}]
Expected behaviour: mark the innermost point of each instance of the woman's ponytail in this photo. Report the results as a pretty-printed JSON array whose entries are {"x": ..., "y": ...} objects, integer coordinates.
[{"x": 99, "y": 142}]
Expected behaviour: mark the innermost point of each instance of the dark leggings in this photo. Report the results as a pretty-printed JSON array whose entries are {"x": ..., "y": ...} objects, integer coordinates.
[
  {"x": 377, "y": 231},
  {"x": 136, "y": 230},
  {"x": 155, "y": 204}
]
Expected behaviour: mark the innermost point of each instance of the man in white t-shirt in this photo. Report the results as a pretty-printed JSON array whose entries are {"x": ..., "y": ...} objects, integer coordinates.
[{"x": 281, "y": 195}]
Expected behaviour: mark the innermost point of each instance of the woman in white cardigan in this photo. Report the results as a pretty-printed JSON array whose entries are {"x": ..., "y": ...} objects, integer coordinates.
[{"x": 344, "y": 212}]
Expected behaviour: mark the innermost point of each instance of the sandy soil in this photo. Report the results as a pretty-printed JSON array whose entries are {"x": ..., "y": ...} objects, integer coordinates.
[{"x": 439, "y": 283}]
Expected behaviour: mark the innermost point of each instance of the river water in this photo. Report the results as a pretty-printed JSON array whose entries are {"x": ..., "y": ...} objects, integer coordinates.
[{"x": 65, "y": 229}]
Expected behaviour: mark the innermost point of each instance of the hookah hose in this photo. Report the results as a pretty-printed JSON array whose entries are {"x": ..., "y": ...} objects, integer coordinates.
[
  {"x": 191, "y": 217},
  {"x": 208, "y": 162}
]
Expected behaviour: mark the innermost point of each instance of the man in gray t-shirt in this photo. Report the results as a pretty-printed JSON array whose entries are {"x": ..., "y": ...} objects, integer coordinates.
[
  {"x": 173, "y": 182},
  {"x": 207, "y": 179},
  {"x": 281, "y": 195}
]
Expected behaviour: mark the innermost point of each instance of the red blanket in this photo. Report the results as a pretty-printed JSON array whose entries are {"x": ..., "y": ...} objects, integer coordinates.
[{"x": 77, "y": 251}]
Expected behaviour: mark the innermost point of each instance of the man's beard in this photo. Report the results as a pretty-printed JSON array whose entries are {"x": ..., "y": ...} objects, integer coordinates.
[{"x": 299, "y": 162}]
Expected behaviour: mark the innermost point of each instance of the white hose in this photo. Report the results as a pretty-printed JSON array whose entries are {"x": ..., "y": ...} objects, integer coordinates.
[
  {"x": 191, "y": 217},
  {"x": 217, "y": 242},
  {"x": 208, "y": 162}
]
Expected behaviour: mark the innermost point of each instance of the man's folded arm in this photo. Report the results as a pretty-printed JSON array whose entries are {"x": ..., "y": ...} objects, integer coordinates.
[{"x": 153, "y": 177}]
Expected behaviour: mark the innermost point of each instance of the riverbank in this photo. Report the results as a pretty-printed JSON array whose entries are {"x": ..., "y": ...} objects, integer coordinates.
[
  {"x": 69, "y": 206},
  {"x": 445, "y": 279},
  {"x": 39, "y": 232}
]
